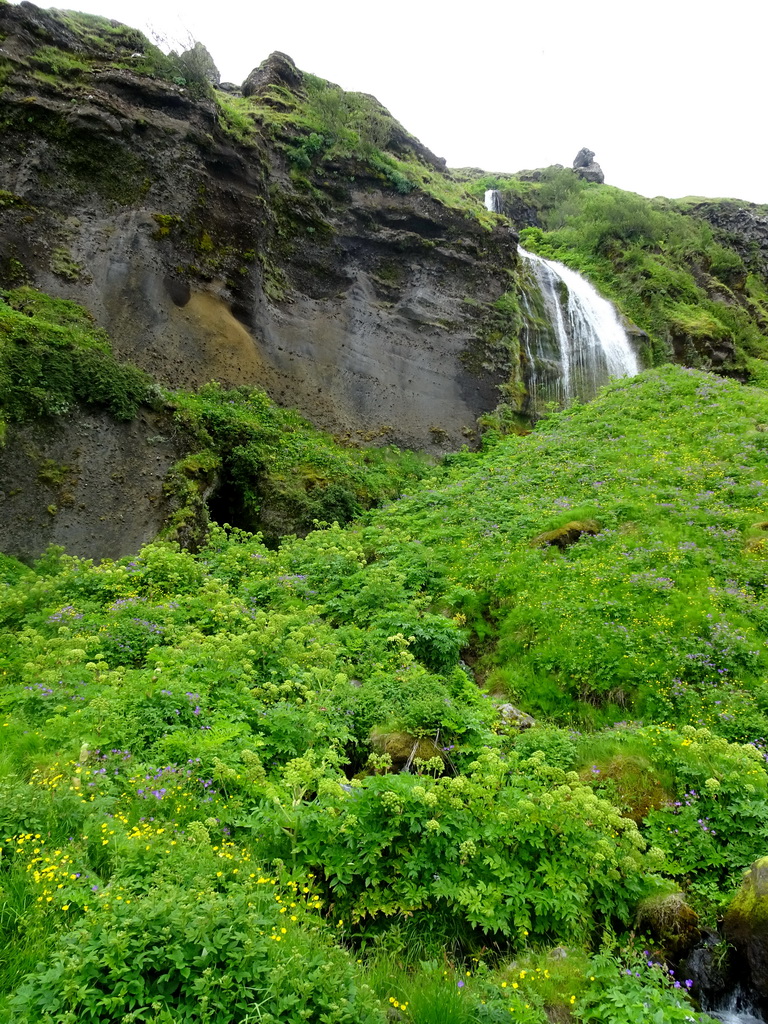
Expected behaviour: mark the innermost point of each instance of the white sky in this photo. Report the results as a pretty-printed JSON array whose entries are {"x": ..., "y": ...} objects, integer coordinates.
[{"x": 670, "y": 94}]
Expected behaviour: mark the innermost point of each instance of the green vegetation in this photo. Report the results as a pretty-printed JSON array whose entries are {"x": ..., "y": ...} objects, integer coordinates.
[
  {"x": 266, "y": 768},
  {"x": 103, "y": 39},
  {"x": 200, "y": 808},
  {"x": 276, "y": 472},
  {"x": 52, "y": 357},
  {"x": 321, "y": 124}
]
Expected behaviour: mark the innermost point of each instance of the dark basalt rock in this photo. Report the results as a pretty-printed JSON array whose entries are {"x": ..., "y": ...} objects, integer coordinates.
[
  {"x": 27, "y": 25},
  {"x": 746, "y": 925},
  {"x": 741, "y": 226},
  {"x": 205, "y": 261},
  {"x": 277, "y": 69},
  {"x": 200, "y": 64},
  {"x": 584, "y": 165}
]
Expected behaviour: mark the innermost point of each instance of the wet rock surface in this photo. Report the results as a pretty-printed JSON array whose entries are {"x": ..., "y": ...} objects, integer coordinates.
[{"x": 745, "y": 925}]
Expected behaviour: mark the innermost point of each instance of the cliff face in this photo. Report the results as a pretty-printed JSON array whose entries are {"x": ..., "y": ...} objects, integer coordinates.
[
  {"x": 190, "y": 227},
  {"x": 89, "y": 484}
]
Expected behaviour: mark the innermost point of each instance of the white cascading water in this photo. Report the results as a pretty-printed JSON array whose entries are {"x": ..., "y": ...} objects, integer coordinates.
[
  {"x": 493, "y": 201},
  {"x": 591, "y": 343},
  {"x": 737, "y": 1009}
]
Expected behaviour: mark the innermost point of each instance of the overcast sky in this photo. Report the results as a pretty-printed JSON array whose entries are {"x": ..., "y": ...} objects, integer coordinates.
[{"x": 670, "y": 94}]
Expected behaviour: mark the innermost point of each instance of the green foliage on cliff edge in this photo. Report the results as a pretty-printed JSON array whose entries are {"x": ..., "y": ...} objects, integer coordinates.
[
  {"x": 664, "y": 267},
  {"x": 320, "y": 125},
  {"x": 100, "y": 39},
  {"x": 54, "y": 358}
]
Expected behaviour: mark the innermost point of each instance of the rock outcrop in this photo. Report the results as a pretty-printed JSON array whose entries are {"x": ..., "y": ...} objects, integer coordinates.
[
  {"x": 200, "y": 64},
  {"x": 746, "y": 925},
  {"x": 88, "y": 483},
  {"x": 672, "y": 922},
  {"x": 566, "y": 535},
  {"x": 277, "y": 69},
  {"x": 354, "y": 297},
  {"x": 741, "y": 226},
  {"x": 584, "y": 165}
]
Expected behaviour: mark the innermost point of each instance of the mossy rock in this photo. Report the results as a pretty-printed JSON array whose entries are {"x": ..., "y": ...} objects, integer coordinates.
[
  {"x": 404, "y": 748},
  {"x": 671, "y": 922},
  {"x": 566, "y": 535},
  {"x": 636, "y": 785},
  {"x": 746, "y": 923}
]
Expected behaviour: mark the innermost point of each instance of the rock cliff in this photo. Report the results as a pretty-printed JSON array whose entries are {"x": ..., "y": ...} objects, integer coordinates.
[{"x": 206, "y": 234}]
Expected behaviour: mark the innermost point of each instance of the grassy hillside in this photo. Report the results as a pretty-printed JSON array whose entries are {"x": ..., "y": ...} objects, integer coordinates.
[{"x": 198, "y": 749}]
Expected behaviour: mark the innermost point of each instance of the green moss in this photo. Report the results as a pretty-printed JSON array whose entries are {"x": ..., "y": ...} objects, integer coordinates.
[
  {"x": 236, "y": 118},
  {"x": 53, "y": 474},
  {"x": 204, "y": 243},
  {"x": 59, "y": 63},
  {"x": 52, "y": 357},
  {"x": 8, "y": 199},
  {"x": 696, "y": 322},
  {"x": 167, "y": 224},
  {"x": 64, "y": 265},
  {"x": 186, "y": 487},
  {"x": 273, "y": 279},
  {"x": 12, "y": 270},
  {"x": 748, "y": 912},
  {"x": 7, "y": 68},
  {"x": 564, "y": 536}
]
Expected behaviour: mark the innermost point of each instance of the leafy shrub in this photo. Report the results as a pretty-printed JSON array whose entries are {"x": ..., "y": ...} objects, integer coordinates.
[
  {"x": 635, "y": 990},
  {"x": 433, "y": 847},
  {"x": 194, "y": 955}
]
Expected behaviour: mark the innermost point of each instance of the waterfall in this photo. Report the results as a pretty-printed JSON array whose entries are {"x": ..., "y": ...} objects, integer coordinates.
[
  {"x": 736, "y": 1008},
  {"x": 579, "y": 344},
  {"x": 571, "y": 340},
  {"x": 493, "y": 201}
]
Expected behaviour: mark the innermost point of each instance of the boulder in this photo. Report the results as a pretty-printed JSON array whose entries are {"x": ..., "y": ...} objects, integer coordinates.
[
  {"x": 671, "y": 922},
  {"x": 513, "y": 718},
  {"x": 584, "y": 165},
  {"x": 565, "y": 535},
  {"x": 746, "y": 924},
  {"x": 199, "y": 65},
  {"x": 404, "y": 748},
  {"x": 709, "y": 967},
  {"x": 277, "y": 69}
]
